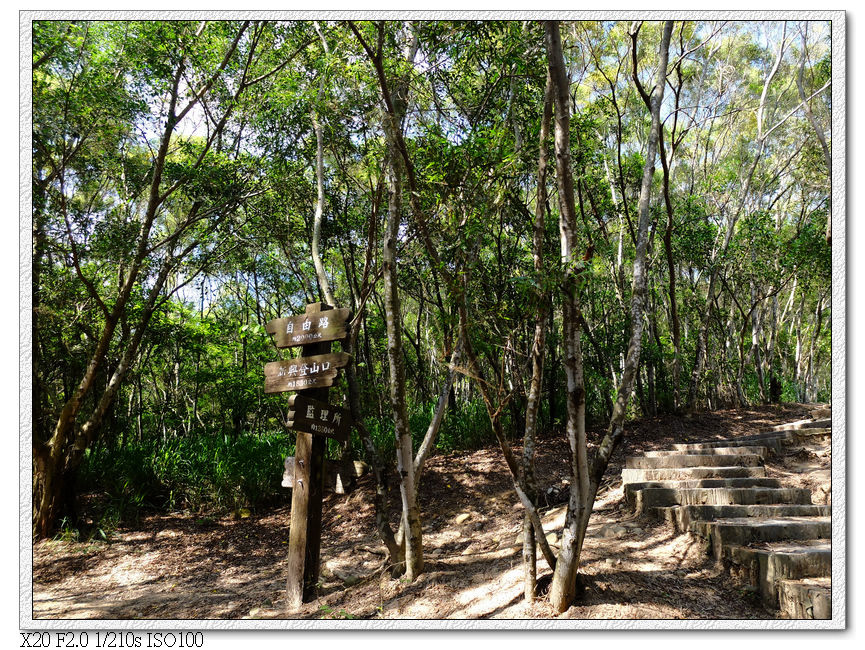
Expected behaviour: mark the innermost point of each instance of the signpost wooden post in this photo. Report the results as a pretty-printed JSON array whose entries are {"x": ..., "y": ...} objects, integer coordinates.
[{"x": 314, "y": 420}]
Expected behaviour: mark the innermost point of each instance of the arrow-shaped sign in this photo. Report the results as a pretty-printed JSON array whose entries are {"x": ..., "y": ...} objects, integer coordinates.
[
  {"x": 319, "y": 418},
  {"x": 312, "y": 327},
  {"x": 316, "y": 371}
]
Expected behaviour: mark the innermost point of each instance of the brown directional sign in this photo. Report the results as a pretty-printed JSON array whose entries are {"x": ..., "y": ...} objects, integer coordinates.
[
  {"x": 316, "y": 371},
  {"x": 311, "y": 327},
  {"x": 318, "y": 418}
]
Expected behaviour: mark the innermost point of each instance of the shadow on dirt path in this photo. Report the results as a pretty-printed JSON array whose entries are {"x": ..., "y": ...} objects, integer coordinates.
[{"x": 185, "y": 566}]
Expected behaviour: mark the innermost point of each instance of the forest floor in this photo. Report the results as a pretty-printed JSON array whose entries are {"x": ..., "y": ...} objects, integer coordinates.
[{"x": 188, "y": 566}]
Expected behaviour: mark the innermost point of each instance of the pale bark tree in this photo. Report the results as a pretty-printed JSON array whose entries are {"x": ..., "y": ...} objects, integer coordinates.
[
  {"x": 538, "y": 346},
  {"x": 396, "y": 363},
  {"x": 456, "y": 286},
  {"x": 396, "y": 102},
  {"x": 719, "y": 253},
  {"x": 818, "y": 129},
  {"x": 320, "y": 273},
  {"x": 585, "y": 480},
  {"x": 396, "y": 555},
  {"x": 564, "y": 579}
]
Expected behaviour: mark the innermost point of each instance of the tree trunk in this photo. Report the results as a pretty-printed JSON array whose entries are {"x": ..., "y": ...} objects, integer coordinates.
[
  {"x": 818, "y": 130},
  {"x": 320, "y": 274},
  {"x": 434, "y": 426},
  {"x": 551, "y": 367},
  {"x": 537, "y": 353},
  {"x": 396, "y": 363},
  {"x": 396, "y": 104},
  {"x": 46, "y": 508},
  {"x": 53, "y": 456},
  {"x": 582, "y": 498},
  {"x": 717, "y": 259},
  {"x": 380, "y": 500},
  {"x": 671, "y": 273},
  {"x": 564, "y": 579}
]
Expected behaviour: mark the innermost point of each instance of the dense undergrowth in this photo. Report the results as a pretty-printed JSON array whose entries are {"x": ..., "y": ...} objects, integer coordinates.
[{"x": 220, "y": 473}]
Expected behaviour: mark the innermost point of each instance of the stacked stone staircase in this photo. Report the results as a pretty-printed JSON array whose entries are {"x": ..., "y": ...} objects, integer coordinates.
[{"x": 766, "y": 535}]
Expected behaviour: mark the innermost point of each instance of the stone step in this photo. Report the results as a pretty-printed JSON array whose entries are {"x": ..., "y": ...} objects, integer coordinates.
[
  {"x": 713, "y": 451},
  {"x": 792, "y": 436},
  {"x": 769, "y": 437},
  {"x": 765, "y": 566},
  {"x": 771, "y": 537},
  {"x": 770, "y": 434},
  {"x": 821, "y": 413},
  {"x": 631, "y": 488},
  {"x": 809, "y": 598},
  {"x": 693, "y": 460},
  {"x": 746, "y": 530},
  {"x": 793, "y": 433},
  {"x": 775, "y": 442},
  {"x": 756, "y": 438},
  {"x": 808, "y": 423},
  {"x": 771, "y": 446},
  {"x": 653, "y": 497},
  {"x": 813, "y": 435},
  {"x": 686, "y": 473},
  {"x": 680, "y": 517}
]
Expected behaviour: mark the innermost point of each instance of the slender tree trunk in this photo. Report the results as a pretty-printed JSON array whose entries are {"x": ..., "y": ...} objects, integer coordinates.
[
  {"x": 551, "y": 367},
  {"x": 719, "y": 255},
  {"x": 563, "y": 586},
  {"x": 742, "y": 400},
  {"x": 429, "y": 440},
  {"x": 380, "y": 500},
  {"x": 818, "y": 130},
  {"x": 582, "y": 499},
  {"x": 396, "y": 363},
  {"x": 88, "y": 431},
  {"x": 52, "y": 481},
  {"x": 53, "y": 461},
  {"x": 772, "y": 364},
  {"x": 537, "y": 352},
  {"x": 396, "y": 103},
  {"x": 320, "y": 273},
  {"x": 495, "y": 421},
  {"x": 671, "y": 272},
  {"x": 810, "y": 375},
  {"x": 799, "y": 358},
  {"x": 756, "y": 326},
  {"x": 638, "y": 287}
]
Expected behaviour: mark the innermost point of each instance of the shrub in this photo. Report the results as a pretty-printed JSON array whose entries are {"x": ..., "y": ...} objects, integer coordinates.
[{"x": 198, "y": 473}]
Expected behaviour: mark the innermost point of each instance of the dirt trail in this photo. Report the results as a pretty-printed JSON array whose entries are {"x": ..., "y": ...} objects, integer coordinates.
[{"x": 190, "y": 566}]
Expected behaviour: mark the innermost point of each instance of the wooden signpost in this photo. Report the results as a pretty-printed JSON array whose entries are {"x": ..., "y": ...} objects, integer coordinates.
[
  {"x": 303, "y": 373},
  {"x": 307, "y": 414},
  {"x": 312, "y": 327},
  {"x": 313, "y": 420}
]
